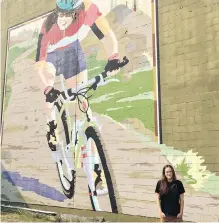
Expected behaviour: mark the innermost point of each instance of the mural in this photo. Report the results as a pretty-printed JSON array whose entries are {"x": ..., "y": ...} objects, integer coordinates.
[{"x": 80, "y": 113}]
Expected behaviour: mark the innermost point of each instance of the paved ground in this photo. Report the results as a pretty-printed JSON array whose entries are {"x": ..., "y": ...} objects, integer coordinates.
[{"x": 135, "y": 161}]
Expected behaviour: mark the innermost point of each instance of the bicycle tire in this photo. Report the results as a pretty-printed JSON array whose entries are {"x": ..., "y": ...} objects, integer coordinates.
[
  {"x": 69, "y": 193},
  {"x": 93, "y": 133}
]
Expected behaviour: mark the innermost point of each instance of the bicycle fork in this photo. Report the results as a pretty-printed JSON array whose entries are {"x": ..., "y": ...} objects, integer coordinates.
[{"x": 89, "y": 159}]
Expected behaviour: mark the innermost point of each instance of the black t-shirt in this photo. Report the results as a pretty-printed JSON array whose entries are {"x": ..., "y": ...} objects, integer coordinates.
[{"x": 170, "y": 201}]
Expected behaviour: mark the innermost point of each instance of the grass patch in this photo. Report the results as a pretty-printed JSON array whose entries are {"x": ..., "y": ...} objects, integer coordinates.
[
  {"x": 140, "y": 83},
  {"x": 15, "y": 215},
  {"x": 19, "y": 215},
  {"x": 183, "y": 168},
  {"x": 32, "y": 55},
  {"x": 7, "y": 96},
  {"x": 94, "y": 66},
  {"x": 13, "y": 53},
  {"x": 143, "y": 110}
]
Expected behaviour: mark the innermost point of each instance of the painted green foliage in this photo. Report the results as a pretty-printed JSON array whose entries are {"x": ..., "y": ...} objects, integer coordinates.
[{"x": 13, "y": 53}]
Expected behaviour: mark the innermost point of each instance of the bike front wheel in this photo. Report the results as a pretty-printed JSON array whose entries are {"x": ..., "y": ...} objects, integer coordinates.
[
  {"x": 103, "y": 193},
  {"x": 66, "y": 173}
]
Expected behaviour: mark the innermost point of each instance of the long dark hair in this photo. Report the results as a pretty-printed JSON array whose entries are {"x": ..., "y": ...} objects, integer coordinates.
[
  {"x": 163, "y": 185},
  {"x": 52, "y": 18}
]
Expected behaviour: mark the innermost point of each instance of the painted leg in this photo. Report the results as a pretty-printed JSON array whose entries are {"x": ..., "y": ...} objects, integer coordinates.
[{"x": 47, "y": 73}]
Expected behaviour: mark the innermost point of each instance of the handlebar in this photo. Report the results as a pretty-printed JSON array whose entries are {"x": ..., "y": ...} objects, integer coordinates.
[
  {"x": 71, "y": 93},
  {"x": 104, "y": 73}
]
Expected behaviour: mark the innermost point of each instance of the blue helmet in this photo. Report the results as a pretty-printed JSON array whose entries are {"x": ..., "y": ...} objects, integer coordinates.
[{"x": 68, "y": 4}]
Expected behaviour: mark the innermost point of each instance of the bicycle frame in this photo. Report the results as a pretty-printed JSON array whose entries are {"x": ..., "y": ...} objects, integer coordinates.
[
  {"x": 70, "y": 95},
  {"x": 76, "y": 131}
]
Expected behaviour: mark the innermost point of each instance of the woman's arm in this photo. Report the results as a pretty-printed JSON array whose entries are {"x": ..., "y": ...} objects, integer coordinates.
[
  {"x": 158, "y": 202},
  {"x": 181, "y": 206},
  {"x": 162, "y": 215}
]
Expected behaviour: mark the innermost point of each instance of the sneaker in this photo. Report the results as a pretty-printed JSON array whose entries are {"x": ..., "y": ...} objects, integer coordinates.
[{"x": 51, "y": 135}]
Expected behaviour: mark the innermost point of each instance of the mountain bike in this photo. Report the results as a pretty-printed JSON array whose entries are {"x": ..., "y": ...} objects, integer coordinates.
[{"x": 80, "y": 144}]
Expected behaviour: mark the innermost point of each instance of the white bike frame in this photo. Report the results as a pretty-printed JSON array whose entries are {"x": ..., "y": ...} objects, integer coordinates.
[{"x": 72, "y": 152}]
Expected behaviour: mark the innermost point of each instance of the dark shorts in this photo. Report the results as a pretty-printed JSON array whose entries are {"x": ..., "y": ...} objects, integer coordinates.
[{"x": 69, "y": 61}]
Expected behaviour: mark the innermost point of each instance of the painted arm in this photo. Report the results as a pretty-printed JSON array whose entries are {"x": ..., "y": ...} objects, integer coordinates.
[
  {"x": 42, "y": 46},
  {"x": 109, "y": 39},
  {"x": 101, "y": 29}
]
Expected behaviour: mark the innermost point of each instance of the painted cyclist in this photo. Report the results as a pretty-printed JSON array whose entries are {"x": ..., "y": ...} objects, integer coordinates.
[{"x": 59, "y": 51}]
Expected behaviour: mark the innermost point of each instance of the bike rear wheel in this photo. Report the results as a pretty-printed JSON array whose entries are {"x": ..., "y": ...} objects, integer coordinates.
[
  {"x": 104, "y": 189},
  {"x": 67, "y": 175}
]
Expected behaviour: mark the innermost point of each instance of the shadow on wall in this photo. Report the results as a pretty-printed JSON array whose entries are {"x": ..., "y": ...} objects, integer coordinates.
[{"x": 12, "y": 182}]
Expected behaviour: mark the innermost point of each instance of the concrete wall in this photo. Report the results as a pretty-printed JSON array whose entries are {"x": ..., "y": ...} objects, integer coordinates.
[
  {"x": 189, "y": 74},
  {"x": 134, "y": 157}
]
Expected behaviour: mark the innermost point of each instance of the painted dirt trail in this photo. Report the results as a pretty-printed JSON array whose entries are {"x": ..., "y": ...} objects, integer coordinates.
[{"x": 135, "y": 161}]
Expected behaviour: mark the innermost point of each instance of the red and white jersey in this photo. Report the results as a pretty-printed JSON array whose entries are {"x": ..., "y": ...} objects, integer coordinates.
[{"x": 56, "y": 39}]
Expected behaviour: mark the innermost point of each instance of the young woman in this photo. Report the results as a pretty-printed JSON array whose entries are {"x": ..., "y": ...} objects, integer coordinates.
[
  {"x": 170, "y": 196},
  {"x": 60, "y": 53}
]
